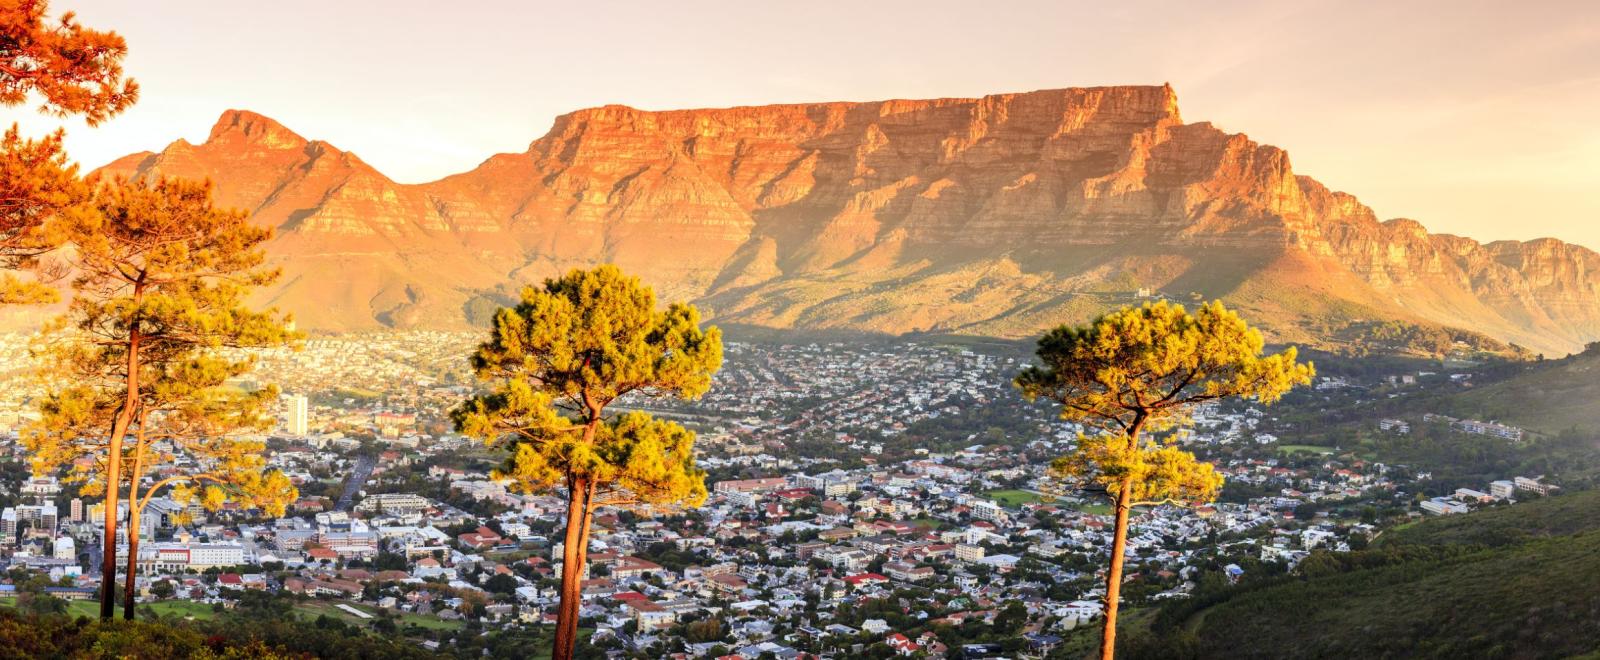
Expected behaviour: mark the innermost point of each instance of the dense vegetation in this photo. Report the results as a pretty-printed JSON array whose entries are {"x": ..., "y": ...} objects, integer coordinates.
[
  {"x": 1519, "y": 581},
  {"x": 261, "y": 625}
]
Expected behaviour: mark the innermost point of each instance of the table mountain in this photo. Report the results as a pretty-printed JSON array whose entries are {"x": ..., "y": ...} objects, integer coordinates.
[{"x": 999, "y": 216}]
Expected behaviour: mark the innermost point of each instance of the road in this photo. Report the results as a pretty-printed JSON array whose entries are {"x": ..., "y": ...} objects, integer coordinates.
[{"x": 357, "y": 479}]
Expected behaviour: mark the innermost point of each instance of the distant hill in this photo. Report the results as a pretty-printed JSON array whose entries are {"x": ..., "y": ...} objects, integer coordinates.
[
  {"x": 995, "y": 216},
  {"x": 1548, "y": 397},
  {"x": 1520, "y": 581}
]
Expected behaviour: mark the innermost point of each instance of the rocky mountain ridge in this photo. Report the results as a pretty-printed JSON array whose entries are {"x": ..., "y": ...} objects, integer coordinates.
[{"x": 999, "y": 215}]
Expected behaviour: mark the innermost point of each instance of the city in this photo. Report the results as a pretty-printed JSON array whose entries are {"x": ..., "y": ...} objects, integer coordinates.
[
  {"x": 857, "y": 507},
  {"x": 724, "y": 330}
]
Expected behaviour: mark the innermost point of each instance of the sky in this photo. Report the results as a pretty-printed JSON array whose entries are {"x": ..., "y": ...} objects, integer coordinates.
[{"x": 1479, "y": 118}]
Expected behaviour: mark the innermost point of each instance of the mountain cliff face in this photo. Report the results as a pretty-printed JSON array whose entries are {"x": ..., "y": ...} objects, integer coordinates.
[{"x": 1000, "y": 215}]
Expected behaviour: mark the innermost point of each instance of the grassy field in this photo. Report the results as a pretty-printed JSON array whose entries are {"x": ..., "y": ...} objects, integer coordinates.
[
  {"x": 91, "y": 608},
  {"x": 1306, "y": 449},
  {"x": 182, "y": 608},
  {"x": 404, "y": 619},
  {"x": 1012, "y": 497},
  {"x": 1096, "y": 509}
]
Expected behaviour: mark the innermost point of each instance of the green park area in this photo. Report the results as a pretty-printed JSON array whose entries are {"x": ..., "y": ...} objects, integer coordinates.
[
  {"x": 1304, "y": 449},
  {"x": 1012, "y": 497}
]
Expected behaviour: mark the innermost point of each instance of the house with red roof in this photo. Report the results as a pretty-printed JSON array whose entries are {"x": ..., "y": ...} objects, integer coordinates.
[
  {"x": 865, "y": 579},
  {"x": 902, "y": 645},
  {"x": 483, "y": 537}
]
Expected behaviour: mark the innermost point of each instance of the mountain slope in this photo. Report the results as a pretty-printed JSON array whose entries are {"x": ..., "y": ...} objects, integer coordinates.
[
  {"x": 999, "y": 215},
  {"x": 1512, "y": 582},
  {"x": 1547, "y": 397}
]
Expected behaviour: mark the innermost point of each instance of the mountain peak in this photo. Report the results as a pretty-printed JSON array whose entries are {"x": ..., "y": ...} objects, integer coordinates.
[
  {"x": 994, "y": 215},
  {"x": 255, "y": 128}
]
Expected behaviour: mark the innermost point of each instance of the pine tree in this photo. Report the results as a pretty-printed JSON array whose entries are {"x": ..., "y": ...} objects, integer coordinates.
[
  {"x": 555, "y": 362},
  {"x": 188, "y": 410},
  {"x": 73, "y": 71},
  {"x": 77, "y": 71},
  {"x": 1141, "y": 371},
  {"x": 160, "y": 287},
  {"x": 37, "y": 185}
]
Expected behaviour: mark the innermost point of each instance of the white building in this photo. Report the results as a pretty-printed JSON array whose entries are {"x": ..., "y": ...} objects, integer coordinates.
[
  {"x": 395, "y": 504},
  {"x": 65, "y": 548},
  {"x": 1443, "y": 507},
  {"x": 174, "y": 557},
  {"x": 987, "y": 510},
  {"x": 298, "y": 415},
  {"x": 1534, "y": 485}
]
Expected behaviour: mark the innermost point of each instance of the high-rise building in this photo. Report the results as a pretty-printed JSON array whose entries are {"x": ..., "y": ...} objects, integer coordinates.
[
  {"x": 299, "y": 416},
  {"x": 75, "y": 513}
]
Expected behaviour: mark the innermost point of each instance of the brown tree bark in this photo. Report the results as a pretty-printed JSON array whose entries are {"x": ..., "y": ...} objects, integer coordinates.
[
  {"x": 134, "y": 510},
  {"x": 1119, "y": 544},
  {"x": 119, "y": 428},
  {"x": 571, "y": 574}
]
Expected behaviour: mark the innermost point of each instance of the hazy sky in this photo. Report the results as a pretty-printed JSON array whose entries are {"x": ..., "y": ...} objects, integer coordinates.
[{"x": 1477, "y": 118}]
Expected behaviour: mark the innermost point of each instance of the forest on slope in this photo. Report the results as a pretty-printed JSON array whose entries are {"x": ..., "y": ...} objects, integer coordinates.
[{"x": 1514, "y": 581}]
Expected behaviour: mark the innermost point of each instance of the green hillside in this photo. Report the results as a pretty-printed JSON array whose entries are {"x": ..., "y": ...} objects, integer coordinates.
[
  {"x": 1548, "y": 397},
  {"x": 1520, "y": 581}
]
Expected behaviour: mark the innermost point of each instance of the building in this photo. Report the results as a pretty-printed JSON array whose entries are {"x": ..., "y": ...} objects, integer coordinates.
[
  {"x": 178, "y": 557},
  {"x": 395, "y": 504},
  {"x": 1443, "y": 507},
  {"x": 988, "y": 510},
  {"x": 650, "y": 616},
  {"x": 76, "y": 510},
  {"x": 298, "y": 415},
  {"x": 65, "y": 548},
  {"x": 1534, "y": 485},
  {"x": 1395, "y": 425},
  {"x": 1502, "y": 489},
  {"x": 1487, "y": 428},
  {"x": 750, "y": 485},
  {"x": 349, "y": 543},
  {"x": 41, "y": 488},
  {"x": 27, "y": 517}
]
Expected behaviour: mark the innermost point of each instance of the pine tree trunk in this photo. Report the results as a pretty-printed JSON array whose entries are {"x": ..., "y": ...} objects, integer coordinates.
[
  {"x": 135, "y": 473},
  {"x": 583, "y": 553},
  {"x": 1119, "y": 545},
  {"x": 119, "y": 428},
  {"x": 571, "y": 575},
  {"x": 128, "y": 593}
]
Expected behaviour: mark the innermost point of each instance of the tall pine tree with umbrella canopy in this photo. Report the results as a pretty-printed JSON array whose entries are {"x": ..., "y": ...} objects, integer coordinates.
[
  {"x": 1134, "y": 373},
  {"x": 554, "y": 363},
  {"x": 161, "y": 278}
]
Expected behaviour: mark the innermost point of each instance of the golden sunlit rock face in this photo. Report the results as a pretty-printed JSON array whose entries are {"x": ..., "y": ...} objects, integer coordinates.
[{"x": 999, "y": 216}]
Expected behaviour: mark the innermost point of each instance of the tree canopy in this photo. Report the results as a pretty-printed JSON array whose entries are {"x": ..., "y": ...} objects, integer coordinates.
[
  {"x": 555, "y": 361},
  {"x": 1136, "y": 372},
  {"x": 75, "y": 70},
  {"x": 567, "y": 351},
  {"x": 1151, "y": 364},
  {"x": 160, "y": 287}
]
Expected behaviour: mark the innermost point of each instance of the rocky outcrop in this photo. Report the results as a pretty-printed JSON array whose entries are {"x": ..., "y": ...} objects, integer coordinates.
[{"x": 998, "y": 215}]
